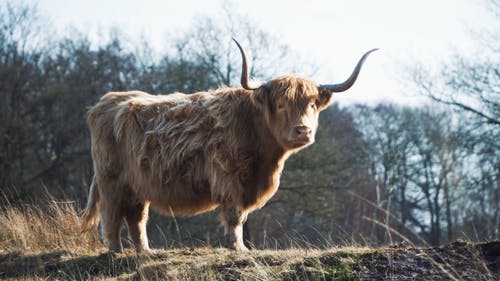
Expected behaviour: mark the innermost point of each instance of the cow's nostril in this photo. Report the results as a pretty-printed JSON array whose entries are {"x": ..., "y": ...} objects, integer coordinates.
[{"x": 303, "y": 131}]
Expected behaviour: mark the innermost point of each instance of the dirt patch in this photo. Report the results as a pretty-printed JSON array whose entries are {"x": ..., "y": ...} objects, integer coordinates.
[{"x": 456, "y": 261}]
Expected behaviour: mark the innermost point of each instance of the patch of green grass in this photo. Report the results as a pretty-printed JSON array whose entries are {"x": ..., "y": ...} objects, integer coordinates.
[{"x": 344, "y": 270}]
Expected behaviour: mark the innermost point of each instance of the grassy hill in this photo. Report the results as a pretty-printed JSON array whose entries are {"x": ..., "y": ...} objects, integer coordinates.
[{"x": 46, "y": 245}]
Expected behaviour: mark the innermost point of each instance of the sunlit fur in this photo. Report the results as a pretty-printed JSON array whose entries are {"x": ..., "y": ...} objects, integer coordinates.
[{"x": 189, "y": 154}]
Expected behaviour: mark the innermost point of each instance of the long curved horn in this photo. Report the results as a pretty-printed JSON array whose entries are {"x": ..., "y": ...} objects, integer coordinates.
[
  {"x": 245, "y": 83},
  {"x": 350, "y": 81}
]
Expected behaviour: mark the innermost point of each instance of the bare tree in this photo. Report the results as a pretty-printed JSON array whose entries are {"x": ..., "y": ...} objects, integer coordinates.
[
  {"x": 422, "y": 162},
  {"x": 387, "y": 131},
  {"x": 209, "y": 42},
  {"x": 470, "y": 85},
  {"x": 19, "y": 85}
]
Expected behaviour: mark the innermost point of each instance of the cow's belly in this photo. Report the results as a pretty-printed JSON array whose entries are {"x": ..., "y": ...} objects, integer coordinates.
[
  {"x": 190, "y": 208},
  {"x": 184, "y": 200}
]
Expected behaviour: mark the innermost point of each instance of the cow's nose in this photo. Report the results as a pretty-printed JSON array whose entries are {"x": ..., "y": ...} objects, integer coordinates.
[{"x": 302, "y": 132}]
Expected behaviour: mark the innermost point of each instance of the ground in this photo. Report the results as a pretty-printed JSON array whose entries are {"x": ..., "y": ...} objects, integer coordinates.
[{"x": 456, "y": 261}]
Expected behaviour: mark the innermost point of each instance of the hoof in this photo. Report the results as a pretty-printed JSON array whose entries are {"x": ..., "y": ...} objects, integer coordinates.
[
  {"x": 144, "y": 251},
  {"x": 238, "y": 247}
]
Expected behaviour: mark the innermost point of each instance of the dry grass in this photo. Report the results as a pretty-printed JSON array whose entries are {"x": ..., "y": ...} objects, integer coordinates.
[
  {"x": 38, "y": 244},
  {"x": 30, "y": 230}
]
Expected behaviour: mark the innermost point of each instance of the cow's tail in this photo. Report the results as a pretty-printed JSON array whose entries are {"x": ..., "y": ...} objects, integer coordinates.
[{"x": 90, "y": 215}]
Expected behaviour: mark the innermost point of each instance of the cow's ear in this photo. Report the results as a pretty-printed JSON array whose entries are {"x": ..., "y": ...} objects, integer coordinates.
[{"x": 325, "y": 99}]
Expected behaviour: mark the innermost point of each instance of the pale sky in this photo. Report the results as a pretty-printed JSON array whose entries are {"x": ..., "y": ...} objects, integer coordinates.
[{"x": 332, "y": 34}]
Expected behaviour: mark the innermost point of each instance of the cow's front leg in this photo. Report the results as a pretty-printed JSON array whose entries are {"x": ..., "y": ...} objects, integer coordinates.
[{"x": 233, "y": 219}]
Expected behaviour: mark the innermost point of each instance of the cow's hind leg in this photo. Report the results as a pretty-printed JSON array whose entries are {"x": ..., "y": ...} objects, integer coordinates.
[
  {"x": 233, "y": 219},
  {"x": 111, "y": 211},
  {"x": 136, "y": 215},
  {"x": 111, "y": 223}
]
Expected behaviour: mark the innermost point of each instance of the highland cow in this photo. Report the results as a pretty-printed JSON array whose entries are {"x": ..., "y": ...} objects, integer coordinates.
[{"x": 189, "y": 154}]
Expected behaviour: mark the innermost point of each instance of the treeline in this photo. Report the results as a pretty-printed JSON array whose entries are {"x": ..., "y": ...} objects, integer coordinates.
[
  {"x": 374, "y": 173},
  {"x": 439, "y": 171}
]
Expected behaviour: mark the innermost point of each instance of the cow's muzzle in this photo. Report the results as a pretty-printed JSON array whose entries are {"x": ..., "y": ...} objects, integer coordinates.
[{"x": 301, "y": 135}]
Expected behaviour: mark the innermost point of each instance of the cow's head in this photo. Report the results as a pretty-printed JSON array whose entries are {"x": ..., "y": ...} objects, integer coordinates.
[{"x": 291, "y": 105}]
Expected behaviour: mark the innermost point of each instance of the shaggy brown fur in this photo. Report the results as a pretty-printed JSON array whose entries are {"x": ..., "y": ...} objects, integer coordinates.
[{"x": 189, "y": 154}]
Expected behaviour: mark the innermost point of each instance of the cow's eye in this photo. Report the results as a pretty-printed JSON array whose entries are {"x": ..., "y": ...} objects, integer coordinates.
[
  {"x": 312, "y": 105},
  {"x": 280, "y": 105}
]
